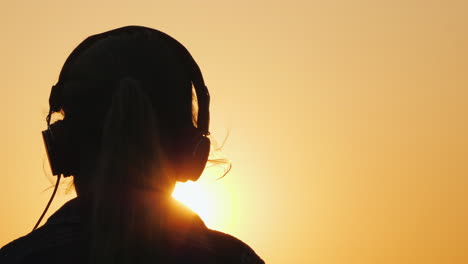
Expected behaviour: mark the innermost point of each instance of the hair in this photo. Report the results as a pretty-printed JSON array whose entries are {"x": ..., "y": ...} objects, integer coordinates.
[
  {"x": 127, "y": 102},
  {"x": 131, "y": 159}
]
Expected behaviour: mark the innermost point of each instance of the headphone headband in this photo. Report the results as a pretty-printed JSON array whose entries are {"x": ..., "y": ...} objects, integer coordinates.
[{"x": 192, "y": 68}]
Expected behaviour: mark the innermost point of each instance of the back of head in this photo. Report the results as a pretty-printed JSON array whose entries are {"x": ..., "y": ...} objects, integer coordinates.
[{"x": 126, "y": 96}]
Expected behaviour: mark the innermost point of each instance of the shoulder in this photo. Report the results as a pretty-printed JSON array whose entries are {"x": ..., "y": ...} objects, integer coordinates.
[
  {"x": 234, "y": 247},
  {"x": 38, "y": 245},
  {"x": 55, "y": 238},
  {"x": 221, "y": 247},
  {"x": 211, "y": 246}
]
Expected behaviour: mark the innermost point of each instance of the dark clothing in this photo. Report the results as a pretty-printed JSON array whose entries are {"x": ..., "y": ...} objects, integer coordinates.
[{"x": 64, "y": 240}]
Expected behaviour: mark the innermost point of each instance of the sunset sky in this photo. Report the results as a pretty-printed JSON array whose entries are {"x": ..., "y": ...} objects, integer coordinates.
[{"x": 347, "y": 120}]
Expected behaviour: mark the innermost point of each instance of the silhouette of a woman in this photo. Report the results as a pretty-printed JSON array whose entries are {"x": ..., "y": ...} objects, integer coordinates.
[{"x": 135, "y": 120}]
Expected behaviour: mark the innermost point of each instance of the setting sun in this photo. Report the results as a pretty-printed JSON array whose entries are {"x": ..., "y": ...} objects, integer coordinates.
[
  {"x": 195, "y": 196},
  {"x": 211, "y": 199}
]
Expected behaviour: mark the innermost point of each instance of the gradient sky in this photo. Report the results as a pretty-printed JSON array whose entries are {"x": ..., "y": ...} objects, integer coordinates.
[{"x": 347, "y": 120}]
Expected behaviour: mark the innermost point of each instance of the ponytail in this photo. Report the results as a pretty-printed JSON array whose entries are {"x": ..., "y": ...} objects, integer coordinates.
[{"x": 129, "y": 168}]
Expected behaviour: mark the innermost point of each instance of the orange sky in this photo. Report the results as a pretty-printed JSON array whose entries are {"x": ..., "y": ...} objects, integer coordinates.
[{"x": 347, "y": 119}]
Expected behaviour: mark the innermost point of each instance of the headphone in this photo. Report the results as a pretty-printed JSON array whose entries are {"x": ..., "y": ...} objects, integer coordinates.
[{"x": 191, "y": 158}]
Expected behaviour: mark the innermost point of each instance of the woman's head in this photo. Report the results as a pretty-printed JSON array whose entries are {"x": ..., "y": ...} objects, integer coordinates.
[{"x": 126, "y": 96}]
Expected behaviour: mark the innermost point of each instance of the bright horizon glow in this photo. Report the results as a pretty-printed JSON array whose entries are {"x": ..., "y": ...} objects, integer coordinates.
[
  {"x": 195, "y": 196},
  {"x": 209, "y": 198}
]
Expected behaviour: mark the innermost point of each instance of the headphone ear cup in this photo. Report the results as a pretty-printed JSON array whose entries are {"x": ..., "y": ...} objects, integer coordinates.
[
  {"x": 50, "y": 150},
  {"x": 60, "y": 154},
  {"x": 195, "y": 160}
]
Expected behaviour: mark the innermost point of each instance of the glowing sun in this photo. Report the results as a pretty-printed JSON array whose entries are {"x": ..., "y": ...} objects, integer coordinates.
[{"x": 211, "y": 200}]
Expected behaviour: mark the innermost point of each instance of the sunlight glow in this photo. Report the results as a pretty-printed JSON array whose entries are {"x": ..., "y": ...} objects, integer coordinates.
[
  {"x": 198, "y": 198},
  {"x": 212, "y": 200}
]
